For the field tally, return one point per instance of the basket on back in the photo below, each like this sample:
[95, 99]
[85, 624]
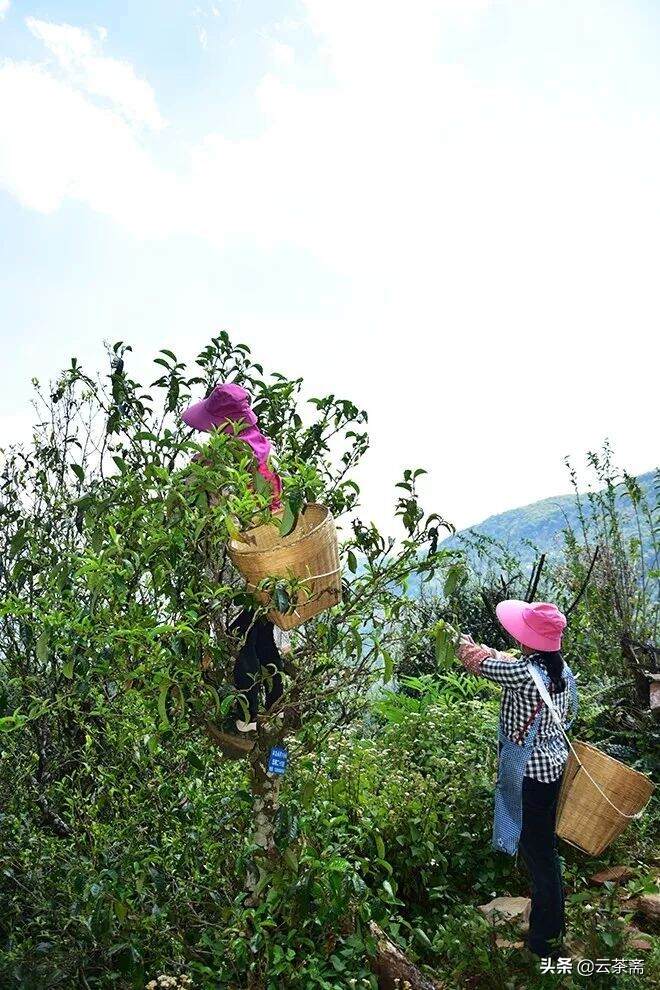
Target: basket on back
[309, 554]
[584, 817]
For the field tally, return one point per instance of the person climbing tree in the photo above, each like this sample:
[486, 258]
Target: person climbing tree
[258, 651]
[259, 661]
[532, 753]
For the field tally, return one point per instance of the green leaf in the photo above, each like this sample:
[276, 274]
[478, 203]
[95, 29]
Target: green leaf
[227, 704]
[288, 520]
[18, 570]
[291, 860]
[387, 887]
[162, 705]
[11, 722]
[18, 541]
[380, 846]
[214, 694]
[42, 645]
[454, 575]
[263, 487]
[352, 561]
[194, 761]
[232, 528]
[121, 910]
[67, 669]
[388, 667]
[582, 895]
[440, 645]
[307, 793]
[281, 599]
[78, 471]
[423, 938]
[445, 647]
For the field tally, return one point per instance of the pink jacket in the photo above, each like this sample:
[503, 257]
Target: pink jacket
[229, 404]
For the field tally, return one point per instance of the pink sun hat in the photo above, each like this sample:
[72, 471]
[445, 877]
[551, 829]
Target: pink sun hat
[538, 625]
[228, 402]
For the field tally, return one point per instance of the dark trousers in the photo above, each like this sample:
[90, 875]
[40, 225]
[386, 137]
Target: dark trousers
[257, 651]
[538, 848]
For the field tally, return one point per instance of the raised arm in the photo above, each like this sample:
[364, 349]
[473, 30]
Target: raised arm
[496, 666]
[506, 670]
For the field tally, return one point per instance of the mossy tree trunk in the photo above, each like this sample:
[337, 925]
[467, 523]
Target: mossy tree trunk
[265, 788]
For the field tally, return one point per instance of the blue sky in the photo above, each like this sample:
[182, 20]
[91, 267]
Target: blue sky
[446, 210]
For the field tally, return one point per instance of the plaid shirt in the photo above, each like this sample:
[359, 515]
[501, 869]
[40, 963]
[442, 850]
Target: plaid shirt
[521, 702]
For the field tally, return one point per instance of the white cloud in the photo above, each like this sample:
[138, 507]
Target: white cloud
[58, 144]
[405, 170]
[203, 36]
[281, 54]
[79, 56]
[4, 7]
[494, 239]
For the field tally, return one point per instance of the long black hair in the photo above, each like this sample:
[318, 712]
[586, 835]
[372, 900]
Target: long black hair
[554, 666]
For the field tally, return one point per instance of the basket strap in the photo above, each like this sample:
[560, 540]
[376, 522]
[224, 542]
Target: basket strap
[312, 577]
[523, 732]
[545, 694]
[316, 577]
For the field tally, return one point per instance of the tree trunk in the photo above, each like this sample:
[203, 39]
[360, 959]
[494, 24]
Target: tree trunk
[636, 657]
[265, 788]
[654, 694]
[393, 970]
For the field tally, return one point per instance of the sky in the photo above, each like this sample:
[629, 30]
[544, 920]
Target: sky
[445, 210]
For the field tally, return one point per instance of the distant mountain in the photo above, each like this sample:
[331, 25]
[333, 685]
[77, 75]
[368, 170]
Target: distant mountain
[541, 524]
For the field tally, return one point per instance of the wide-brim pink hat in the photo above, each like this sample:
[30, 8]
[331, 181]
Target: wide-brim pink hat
[226, 403]
[538, 625]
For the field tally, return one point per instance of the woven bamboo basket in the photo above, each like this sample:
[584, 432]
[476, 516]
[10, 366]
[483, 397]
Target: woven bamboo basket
[309, 553]
[584, 818]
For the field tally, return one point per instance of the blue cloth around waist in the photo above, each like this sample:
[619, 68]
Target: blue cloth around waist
[513, 759]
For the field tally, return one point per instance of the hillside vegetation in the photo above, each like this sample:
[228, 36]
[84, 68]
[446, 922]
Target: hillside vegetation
[132, 847]
[539, 527]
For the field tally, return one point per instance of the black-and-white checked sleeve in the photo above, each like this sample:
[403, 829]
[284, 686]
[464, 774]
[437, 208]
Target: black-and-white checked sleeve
[509, 673]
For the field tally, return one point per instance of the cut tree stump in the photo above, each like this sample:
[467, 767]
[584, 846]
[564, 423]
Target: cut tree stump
[654, 694]
[506, 943]
[646, 904]
[506, 910]
[613, 874]
[639, 940]
[393, 970]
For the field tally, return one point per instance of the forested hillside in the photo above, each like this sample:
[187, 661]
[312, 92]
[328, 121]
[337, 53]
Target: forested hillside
[539, 527]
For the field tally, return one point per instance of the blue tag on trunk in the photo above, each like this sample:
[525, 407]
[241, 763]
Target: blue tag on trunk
[278, 759]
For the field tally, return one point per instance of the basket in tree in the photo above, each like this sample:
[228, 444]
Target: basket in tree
[309, 554]
[599, 797]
